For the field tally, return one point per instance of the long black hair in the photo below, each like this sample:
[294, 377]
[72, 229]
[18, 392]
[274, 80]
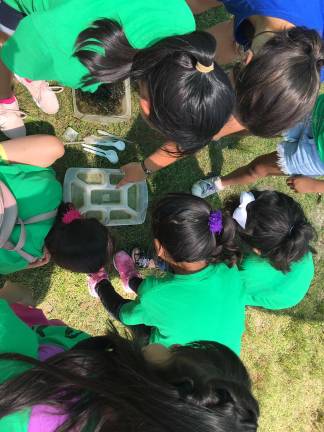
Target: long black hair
[180, 222]
[106, 384]
[279, 87]
[186, 106]
[83, 246]
[277, 226]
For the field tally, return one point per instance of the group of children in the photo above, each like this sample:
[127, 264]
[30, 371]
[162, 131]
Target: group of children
[181, 370]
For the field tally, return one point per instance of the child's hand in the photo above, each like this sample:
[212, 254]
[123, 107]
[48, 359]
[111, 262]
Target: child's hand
[41, 261]
[133, 172]
[303, 184]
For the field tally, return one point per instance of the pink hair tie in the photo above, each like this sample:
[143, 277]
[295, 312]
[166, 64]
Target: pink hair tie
[71, 215]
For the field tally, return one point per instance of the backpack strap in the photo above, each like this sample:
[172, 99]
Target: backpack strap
[40, 218]
[22, 238]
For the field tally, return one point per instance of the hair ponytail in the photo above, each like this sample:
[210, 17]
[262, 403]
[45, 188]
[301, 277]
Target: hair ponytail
[113, 59]
[276, 226]
[181, 223]
[186, 105]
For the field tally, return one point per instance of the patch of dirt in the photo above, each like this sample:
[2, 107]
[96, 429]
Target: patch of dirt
[107, 100]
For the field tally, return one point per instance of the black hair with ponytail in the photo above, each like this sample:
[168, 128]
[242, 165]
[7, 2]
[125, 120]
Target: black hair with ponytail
[276, 226]
[186, 105]
[82, 246]
[180, 222]
[107, 384]
[279, 87]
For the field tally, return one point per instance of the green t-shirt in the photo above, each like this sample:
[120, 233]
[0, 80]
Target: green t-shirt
[36, 191]
[16, 337]
[207, 305]
[43, 44]
[271, 288]
[318, 125]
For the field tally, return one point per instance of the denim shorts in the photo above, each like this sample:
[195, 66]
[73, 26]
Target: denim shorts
[298, 154]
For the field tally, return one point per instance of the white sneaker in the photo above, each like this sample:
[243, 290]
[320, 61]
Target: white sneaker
[11, 120]
[206, 187]
[43, 94]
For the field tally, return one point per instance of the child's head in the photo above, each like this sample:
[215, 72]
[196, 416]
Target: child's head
[279, 87]
[77, 244]
[185, 95]
[187, 230]
[115, 386]
[274, 226]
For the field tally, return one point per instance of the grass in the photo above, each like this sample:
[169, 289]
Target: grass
[283, 350]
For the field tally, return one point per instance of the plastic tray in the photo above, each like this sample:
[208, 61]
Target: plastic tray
[103, 119]
[93, 191]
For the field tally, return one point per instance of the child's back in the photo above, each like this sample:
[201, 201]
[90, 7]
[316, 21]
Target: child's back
[206, 305]
[278, 268]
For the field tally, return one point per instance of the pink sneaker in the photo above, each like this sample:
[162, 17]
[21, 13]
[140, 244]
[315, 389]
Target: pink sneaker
[11, 120]
[43, 94]
[94, 279]
[125, 266]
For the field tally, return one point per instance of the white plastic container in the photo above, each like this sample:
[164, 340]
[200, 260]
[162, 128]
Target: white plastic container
[93, 191]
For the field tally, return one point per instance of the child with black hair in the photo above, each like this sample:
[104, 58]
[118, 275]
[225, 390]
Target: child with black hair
[56, 378]
[300, 156]
[278, 266]
[203, 297]
[184, 94]
[74, 243]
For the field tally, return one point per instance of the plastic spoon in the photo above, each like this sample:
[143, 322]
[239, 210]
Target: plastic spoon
[111, 155]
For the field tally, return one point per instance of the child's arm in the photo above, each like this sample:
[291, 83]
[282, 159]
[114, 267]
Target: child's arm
[163, 156]
[109, 298]
[303, 184]
[38, 150]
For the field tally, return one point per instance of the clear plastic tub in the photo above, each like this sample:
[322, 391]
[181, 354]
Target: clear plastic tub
[93, 191]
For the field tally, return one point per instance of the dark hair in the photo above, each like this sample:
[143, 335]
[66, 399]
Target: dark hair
[84, 245]
[277, 226]
[187, 106]
[107, 383]
[181, 223]
[279, 87]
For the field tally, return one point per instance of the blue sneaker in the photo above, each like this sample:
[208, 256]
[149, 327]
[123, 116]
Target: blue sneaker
[205, 187]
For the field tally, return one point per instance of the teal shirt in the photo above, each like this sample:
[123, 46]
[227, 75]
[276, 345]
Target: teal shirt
[207, 305]
[42, 47]
[17, 337]
[271, 288]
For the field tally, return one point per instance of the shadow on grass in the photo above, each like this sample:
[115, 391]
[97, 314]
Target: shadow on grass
[38, 279]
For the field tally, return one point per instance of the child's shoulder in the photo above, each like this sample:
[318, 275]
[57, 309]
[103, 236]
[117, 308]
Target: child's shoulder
[255, 263]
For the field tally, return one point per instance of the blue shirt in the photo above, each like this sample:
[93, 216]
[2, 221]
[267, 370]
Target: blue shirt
[302, 13]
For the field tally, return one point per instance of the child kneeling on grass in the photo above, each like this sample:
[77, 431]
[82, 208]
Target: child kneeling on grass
[206, 295]
[27, 179]
[275, 235]
[300, 155]
[56, 378]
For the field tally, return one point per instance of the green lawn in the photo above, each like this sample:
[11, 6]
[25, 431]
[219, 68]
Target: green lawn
[283, 350]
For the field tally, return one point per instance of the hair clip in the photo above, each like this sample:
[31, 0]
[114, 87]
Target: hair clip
[240, 213]
[71, 215]
[215, 222]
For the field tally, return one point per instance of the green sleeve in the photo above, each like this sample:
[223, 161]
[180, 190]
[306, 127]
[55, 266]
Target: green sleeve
[283, 290]
[15, 337]
[25, 52]
[137, 311]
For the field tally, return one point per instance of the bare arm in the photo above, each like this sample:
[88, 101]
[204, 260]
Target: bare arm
[162, 158]
[38, 150]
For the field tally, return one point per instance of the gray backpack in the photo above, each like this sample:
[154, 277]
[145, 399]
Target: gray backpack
[9, 219]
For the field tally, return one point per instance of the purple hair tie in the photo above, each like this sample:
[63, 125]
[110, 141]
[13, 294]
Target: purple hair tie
[215, 222]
